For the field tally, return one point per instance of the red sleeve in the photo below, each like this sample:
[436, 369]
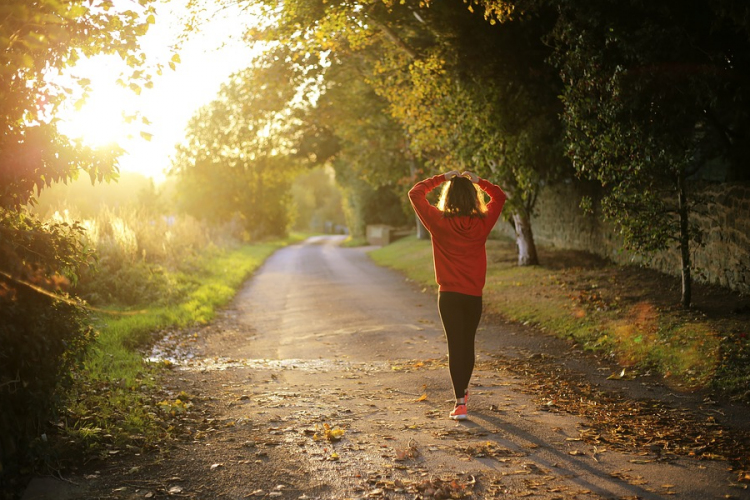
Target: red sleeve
[497, 200]
[418, 197]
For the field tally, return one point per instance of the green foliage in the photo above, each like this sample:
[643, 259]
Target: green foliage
[371, 159]
[371, 144]
[42, 330]
[645, 110]
[39, 252]
[39, 39]
[134, 253]
[237, 157]
[365, 204]
[138, 252]
[114, 400]
[452, 91]
[42, 340]
[317, 201]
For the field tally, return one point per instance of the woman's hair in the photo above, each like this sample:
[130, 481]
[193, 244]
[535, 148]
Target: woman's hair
[460, 196]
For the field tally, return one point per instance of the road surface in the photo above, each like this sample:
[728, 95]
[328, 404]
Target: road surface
[327, 378]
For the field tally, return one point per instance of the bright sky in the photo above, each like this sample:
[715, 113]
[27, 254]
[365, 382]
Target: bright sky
[207, 59]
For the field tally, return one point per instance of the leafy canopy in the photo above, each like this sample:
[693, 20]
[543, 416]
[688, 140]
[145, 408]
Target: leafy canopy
[41, 41]
[238, 155]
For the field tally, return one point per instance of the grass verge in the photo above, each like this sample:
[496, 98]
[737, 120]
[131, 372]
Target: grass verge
[351, 242]
[629, 314]
[116, 402]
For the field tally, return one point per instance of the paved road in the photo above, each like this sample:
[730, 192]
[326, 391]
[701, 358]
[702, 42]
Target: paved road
[318, 300]
[326, 378]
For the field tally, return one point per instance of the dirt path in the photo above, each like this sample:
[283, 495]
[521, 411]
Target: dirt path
[327, 378]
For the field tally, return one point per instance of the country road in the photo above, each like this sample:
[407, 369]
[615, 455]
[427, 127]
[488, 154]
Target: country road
[327, 378]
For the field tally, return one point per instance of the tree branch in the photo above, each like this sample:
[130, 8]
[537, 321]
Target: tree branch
[10, 382]
[393, 37]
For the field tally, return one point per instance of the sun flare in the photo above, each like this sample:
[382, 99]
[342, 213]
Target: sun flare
[162, 110]
[100, 121]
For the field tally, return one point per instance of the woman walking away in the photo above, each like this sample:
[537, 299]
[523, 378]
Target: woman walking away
[459, 226]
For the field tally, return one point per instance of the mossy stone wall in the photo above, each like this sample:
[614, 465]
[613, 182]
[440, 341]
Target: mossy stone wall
[724, 259]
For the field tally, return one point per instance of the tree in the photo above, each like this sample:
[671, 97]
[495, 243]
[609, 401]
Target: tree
[654, 94]
[372, 162]
[481, 96]
[237, 159]
[40, 40]
[42, 332]
[317, 201]
[452, 83]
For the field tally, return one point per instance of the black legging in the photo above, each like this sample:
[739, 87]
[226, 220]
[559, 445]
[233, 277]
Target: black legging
[460, 315]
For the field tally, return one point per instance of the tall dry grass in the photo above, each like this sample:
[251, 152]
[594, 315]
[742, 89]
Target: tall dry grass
[139, 257]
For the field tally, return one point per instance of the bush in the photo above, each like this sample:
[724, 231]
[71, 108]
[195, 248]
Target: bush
[42, 340]
[139, 254]
[43, 334]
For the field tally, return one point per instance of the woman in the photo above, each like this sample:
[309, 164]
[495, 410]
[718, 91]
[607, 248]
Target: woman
[459, 226]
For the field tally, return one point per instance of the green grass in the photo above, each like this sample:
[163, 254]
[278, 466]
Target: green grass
[411, 256]
[351, 242]
[585, 305]
[114, 401]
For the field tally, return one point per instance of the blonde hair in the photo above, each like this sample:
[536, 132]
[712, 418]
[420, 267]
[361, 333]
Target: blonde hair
[460, 197]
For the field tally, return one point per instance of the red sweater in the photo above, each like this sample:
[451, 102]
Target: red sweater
[458, 242]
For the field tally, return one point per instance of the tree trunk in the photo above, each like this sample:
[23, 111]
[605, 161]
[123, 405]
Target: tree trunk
[684, 242]
[525, 240]
[422, 232]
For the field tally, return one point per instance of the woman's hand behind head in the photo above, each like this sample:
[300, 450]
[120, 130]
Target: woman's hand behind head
[471, 176]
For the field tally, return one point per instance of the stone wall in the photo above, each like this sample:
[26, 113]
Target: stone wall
[725, 257]
[723, 260]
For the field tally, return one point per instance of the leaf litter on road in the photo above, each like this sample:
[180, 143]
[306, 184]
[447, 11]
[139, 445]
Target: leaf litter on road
[652, 427]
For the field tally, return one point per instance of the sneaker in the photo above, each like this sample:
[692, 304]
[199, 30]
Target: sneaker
[466, 396]
[459, 413]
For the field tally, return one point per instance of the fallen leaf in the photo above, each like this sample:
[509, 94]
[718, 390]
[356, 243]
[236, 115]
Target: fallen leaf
[329, 433]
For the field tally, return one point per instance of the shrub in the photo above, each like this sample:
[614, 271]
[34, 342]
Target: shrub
[43, 334]
[138, 252]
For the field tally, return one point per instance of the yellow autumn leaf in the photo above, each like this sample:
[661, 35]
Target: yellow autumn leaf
[335, 434]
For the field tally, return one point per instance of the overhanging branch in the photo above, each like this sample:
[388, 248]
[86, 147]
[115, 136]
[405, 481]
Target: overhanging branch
[393, 37]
